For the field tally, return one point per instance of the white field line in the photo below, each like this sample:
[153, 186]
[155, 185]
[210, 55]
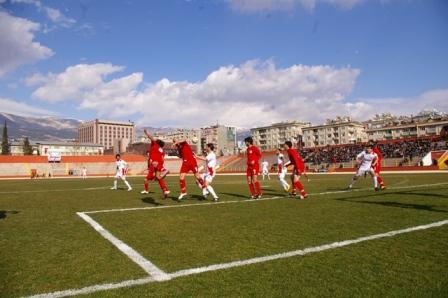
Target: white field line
[225, 174]
[95, 288]
[186, 272]
[53, 190]
[250, 200]
[132, 254]
[302, 252]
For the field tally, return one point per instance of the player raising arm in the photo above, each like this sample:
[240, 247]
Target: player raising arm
[122, 169]
[156, 170]
[189, 163]
[253, 168]
[299, 167]
[366, 161]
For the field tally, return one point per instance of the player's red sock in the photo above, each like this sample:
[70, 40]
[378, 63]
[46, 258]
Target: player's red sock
[252, 188]
[146, 185]
[299, 185]
[183, 186]
[162, 184]
[258, 187]
[380, 180]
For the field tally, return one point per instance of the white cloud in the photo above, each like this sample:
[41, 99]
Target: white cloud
[55, 15]
[73, 83]
[22, 109]
[17, 45]
[36, 3]
[253, 93]
[254, 6]
[432, 99]
[59, 18]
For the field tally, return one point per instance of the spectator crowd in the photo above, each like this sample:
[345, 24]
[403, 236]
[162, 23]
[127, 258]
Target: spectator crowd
[405, 149]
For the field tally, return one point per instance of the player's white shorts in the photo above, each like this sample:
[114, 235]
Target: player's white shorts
[265, 171]
[363, 171]
[207, 177]
[282, 174]
[120, 175]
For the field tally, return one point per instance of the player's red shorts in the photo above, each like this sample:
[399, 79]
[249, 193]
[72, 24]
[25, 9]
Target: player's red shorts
[253, 170]
[158, 165]
[189, 165]
[296, 171]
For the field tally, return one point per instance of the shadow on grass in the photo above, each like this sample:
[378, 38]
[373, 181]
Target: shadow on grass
[5, 213]
[236, 195]
[151, 201]
[425, 207]
[189, 198]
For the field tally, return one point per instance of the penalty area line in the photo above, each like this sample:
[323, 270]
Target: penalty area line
[155, 272]
[258, 200]
[222, 266]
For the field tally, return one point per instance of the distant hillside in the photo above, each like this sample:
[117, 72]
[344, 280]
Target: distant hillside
[59, 129]
[49, 128]
[40, 128]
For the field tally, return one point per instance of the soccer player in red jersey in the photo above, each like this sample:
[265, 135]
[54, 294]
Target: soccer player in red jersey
[377, 167]
[253, 168]
[189, 163]
[299, 168]
[156, 170]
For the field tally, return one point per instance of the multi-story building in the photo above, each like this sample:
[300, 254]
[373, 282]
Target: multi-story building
[389, 127]
[192, 136]
[110, 134]
[223, 137]
[270, 137]
[47, 148]
[342, 130]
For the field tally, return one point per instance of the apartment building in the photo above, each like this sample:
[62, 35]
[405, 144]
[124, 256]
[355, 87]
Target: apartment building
[110, 134]
[341, 130]
[269, 138]
[388, 127]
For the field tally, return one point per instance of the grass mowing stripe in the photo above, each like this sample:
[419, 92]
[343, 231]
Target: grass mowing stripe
[248, 201]
[54, 190]
[95, 288]
[301, 252]
[155, 272]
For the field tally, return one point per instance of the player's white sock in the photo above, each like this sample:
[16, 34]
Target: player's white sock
[375, 181]
[115, 184]
[352, 183]
[212, 191]
[127, 184]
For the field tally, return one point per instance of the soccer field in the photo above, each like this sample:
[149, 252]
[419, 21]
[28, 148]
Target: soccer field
[71, 237]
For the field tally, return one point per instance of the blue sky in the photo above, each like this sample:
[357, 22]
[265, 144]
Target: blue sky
[239, 62]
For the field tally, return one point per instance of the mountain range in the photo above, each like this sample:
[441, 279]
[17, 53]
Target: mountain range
[60, 129]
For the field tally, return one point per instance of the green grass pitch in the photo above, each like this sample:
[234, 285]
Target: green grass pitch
[46, 247]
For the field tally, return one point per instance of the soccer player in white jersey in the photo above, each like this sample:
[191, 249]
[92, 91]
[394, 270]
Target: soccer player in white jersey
[122, 168]
[210, 172]
[265, 169]
[366, 161]
[84, 173]
[282, 170]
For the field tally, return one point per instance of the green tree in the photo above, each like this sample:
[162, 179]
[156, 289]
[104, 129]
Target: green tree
[5, 143]
[27, 148]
